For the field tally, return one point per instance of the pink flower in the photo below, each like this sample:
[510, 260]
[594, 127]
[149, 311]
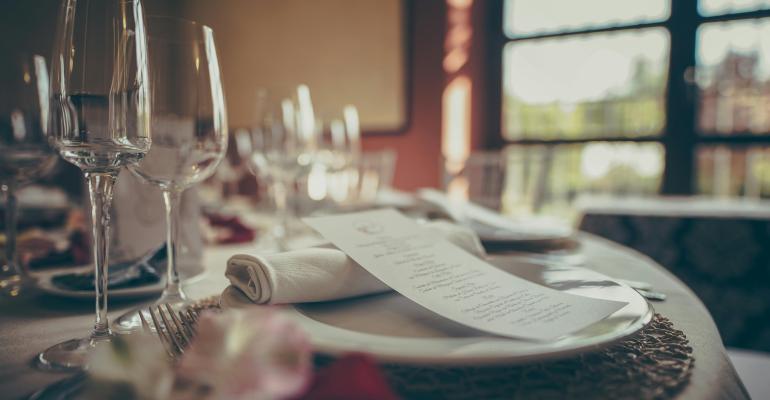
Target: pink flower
[137, 360]
[253, 353]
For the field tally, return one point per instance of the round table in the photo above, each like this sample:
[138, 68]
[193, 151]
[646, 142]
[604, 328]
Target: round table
[27, 327]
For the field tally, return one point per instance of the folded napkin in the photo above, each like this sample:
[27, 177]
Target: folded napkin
[318, 273]
[493, 227]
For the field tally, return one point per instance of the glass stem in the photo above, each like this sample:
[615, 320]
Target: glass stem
[281, 194]
[100, 190]
[173, 291]
[11, 266]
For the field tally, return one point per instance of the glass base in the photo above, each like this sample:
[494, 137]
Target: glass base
[70, 355]
[131, 322]
[293, 235]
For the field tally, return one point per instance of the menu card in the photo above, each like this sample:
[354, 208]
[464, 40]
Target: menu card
[453, 283]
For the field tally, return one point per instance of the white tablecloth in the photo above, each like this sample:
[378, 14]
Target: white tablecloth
[29, 327]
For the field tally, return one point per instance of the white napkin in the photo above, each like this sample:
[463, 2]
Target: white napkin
[492, 226]
[319, 273]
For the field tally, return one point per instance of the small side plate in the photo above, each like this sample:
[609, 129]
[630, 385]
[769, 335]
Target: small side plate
[45, 284]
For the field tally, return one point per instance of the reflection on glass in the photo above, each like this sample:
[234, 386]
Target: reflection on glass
[734, 77]
[731, 172]
[595, 85]
[547, 179]
[540, 16]
[717, 7]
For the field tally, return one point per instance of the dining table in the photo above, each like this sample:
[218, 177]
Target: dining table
[31, 324]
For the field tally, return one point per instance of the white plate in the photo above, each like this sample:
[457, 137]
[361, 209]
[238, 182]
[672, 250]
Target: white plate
[44, 283]
[393, 329]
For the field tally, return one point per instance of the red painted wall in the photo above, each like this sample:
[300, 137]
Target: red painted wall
[419, 147]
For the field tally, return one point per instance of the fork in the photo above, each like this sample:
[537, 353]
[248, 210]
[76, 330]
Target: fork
[175, 330]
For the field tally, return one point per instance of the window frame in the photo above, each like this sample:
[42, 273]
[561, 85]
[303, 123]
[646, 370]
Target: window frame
[679, 137]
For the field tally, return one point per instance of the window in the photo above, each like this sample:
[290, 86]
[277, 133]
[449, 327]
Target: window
[733, 78]
[718, 7]
[585, 86]
[634, 97]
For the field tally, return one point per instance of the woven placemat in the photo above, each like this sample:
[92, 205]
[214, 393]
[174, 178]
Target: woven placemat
[656, 363]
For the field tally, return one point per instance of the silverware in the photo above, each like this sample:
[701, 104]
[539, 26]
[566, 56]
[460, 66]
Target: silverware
[570, 260]
[650, 295]
[578, 260]
[638, 285]
[643, 288]
[175, 330]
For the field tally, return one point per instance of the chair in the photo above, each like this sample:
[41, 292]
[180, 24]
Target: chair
[513, 181]
[719, 248]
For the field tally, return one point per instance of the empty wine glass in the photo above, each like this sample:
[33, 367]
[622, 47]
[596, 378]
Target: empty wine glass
[24, 150]
[100, 121]
[189, 129]
[283, 147]
[338, 155]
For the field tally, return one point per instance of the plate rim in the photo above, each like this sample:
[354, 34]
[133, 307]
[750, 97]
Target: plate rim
[43, 281]
[327, 345]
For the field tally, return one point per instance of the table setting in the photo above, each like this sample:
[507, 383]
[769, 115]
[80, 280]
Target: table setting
[414, 353]
[343, 288]
[365, 317]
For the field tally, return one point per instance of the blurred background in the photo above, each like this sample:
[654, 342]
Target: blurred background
[609, 97]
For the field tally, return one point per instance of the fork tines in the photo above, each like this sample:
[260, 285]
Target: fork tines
[174, 330]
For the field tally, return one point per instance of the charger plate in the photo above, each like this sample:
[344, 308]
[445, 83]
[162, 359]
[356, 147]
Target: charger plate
[44, 283]
[393, 329]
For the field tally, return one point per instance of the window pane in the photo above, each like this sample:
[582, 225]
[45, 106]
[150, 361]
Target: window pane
[524, 17]
[730, 172]
[585, 86]
[717, 7]
[547, 179]
[734, 77]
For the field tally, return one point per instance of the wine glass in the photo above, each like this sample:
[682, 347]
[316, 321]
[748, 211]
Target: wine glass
[284, 144]
[24, 150]
[189, 129]
[338, 157]
[100, 121]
